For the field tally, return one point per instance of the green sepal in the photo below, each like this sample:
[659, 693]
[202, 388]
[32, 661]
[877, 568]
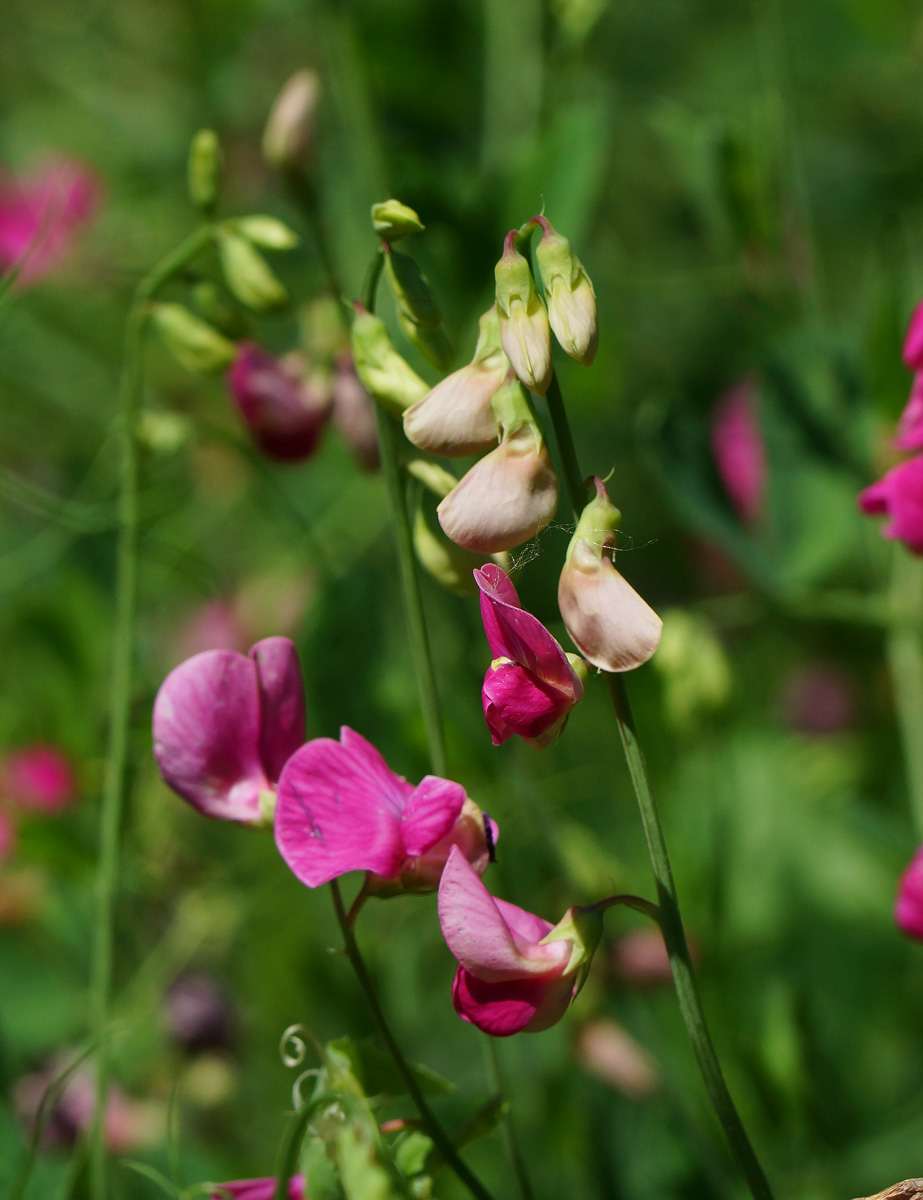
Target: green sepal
[247, 273]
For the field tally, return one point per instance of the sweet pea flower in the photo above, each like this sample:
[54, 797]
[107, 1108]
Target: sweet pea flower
[38, 778]
[258, 1189]
[908, 907]
[611, 626]
[225, 724]
[517, 973]
[910, 426]
[524, 329]
[284, 413]
[739, 453]
[341, 808]
[41, 213]
[569, 293]
[899, 496]
[531, 685]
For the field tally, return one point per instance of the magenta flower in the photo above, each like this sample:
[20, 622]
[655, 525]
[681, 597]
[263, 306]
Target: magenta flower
[284, 413]
[899, 496]
[908, 907]
[516, 972]
[40, 214]
[258, 1189]
[910, 426]
[530, 687]
[341, 808]
[225, 724]
[38, 778]
[737, 446]
[913, 341]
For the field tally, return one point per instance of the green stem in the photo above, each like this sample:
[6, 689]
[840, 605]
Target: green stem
[440, 1138]
[121, 684]
[905, 663]
[573, 480]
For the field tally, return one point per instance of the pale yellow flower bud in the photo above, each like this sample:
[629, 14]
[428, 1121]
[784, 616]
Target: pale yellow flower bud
[524, 327]
[569, 295]
[289, 135]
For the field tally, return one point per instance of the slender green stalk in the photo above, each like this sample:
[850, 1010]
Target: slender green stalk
[668, 905]
[440, 1138]
[121, 684]
[905, 663]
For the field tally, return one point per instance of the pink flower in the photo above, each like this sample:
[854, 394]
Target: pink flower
[341, 808]
[530, 687]
[910, 426]
[913, 342]
[225, 724]
[258, 1189]
[737, 445]
[284, 413]
[41, 213]
[899, 496]
[516, 972]
[908, 907]
[38, 778]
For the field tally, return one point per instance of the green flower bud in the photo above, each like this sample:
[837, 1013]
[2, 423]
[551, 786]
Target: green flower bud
[388, 379]
[204, 169]
[289, 135]
[524, 329]
[392, 220]
[193, 343]
[569, 295]
[268, 232]
[248, 275]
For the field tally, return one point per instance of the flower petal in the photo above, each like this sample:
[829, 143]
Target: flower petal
[522, 701]
[206, 734]
[500, 1009]
[611, 626]
[515, 634]
[431, 812]
[282, 709]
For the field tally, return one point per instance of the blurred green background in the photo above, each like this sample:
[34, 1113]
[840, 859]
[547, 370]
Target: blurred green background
[744, 183]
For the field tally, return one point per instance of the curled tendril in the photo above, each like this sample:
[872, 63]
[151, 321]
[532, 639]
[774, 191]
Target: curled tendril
[293, 1045]
[297, 1098]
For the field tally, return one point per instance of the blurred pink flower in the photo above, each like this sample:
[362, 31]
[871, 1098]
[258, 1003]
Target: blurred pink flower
[641, 958]
[225, 724]
[910, 426]
[38, 778]
[737, 446]
[913, 340]
[41, 213]
[899, 496]
[211, 626]
[354, 413]
[258, 1189]
[284, 412]
[513, 976]
[530, 687]
[341, 808]
[818, 698]
[908, 907]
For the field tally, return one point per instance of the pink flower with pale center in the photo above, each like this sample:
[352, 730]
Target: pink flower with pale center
[908, 907]
[341, 808]
[41, 213]
[737, 446]
[899, 496]
[226, 723]
[530, 687]
[284, 413]
[512, 976]
[258, 1189]
[38, 778]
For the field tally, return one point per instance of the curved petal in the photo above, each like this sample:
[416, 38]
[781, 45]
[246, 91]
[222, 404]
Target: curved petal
[611, 626]
[431, 812]
[500, 1009]
[206, 734]
[522, 701]
[338, 810]
[282, 709]
[480, 937]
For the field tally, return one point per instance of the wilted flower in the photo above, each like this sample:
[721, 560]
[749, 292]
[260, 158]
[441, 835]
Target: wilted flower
[225, 725]
[288, 138]
[908, 907]
[341, 808]
[354, 413]
[516, 972]
[41, 213]
[611, 626]
[284, 413]
[899, 496]
[910, 426]
[39, 778]
[740, 456]
[524, 327]
[531, 686]
[569, 294]
[512, 493]
[456, 418]
[258, 1189]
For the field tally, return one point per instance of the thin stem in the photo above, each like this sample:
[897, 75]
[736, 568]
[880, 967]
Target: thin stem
[905, 663]
[121, 684]
[511, 1143]
[638, 903]
[434, 1130]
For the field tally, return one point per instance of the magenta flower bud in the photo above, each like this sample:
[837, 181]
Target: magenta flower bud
[899, 496]
[516, 972]
[530, 687]
[341, 808]
[41, 214]
[910, 426]
[913, 342]
[354, 413]
[38, 778]
[258, 1189]
[224, 726]
[524, 328]
[908, 907]
[740, 456]
[611, 626]
[284, 414]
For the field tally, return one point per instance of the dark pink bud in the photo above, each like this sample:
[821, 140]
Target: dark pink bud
[908, 907]
[284, 413]
[41, 213]
[899, 496]
[258, 1189]
[38, 778]
[910, 426]
[913, 342]
[737, 445]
